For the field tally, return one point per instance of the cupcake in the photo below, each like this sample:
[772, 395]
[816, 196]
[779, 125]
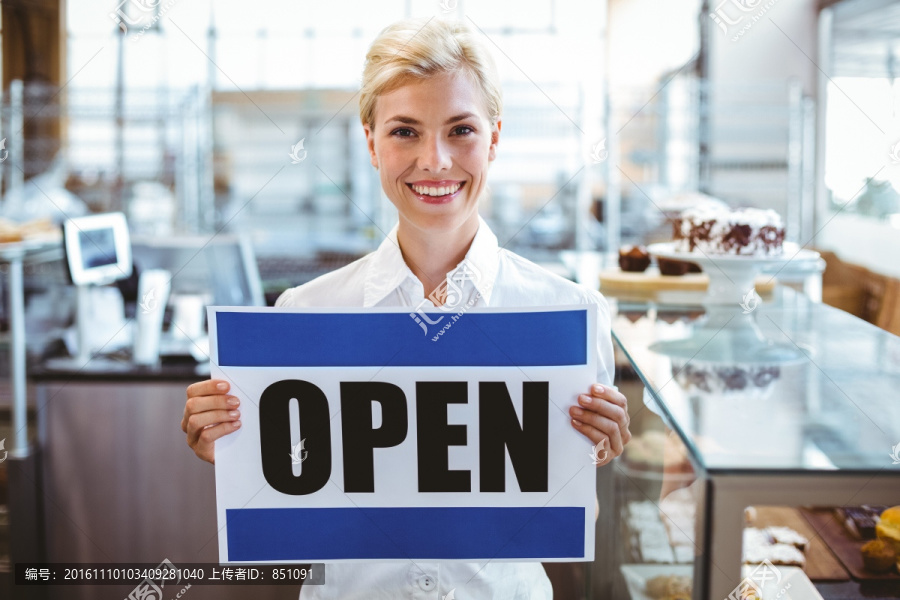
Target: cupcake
[634, 259]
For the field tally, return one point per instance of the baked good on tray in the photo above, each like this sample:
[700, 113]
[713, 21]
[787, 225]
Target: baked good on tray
[712, 230]
[670, 266]
[861, 520]
[786, 535]
[888, 530]
[760, 545]
[888, 527]
[878, 556]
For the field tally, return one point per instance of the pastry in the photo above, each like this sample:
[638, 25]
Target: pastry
[861, 520]
[759, 546]
[670, 266]
[878, 556]
[888, 527]
[712, 230]
[634, 259]
[786, 535]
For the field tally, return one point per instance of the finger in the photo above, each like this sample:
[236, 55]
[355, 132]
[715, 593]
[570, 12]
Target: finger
[201, 404]
[610, 393]
[210, 387]
[612, 411]
[205, 449]
[200, 422]
[606, 408]
[596, 427]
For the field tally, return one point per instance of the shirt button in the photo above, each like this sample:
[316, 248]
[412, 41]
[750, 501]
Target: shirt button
[426, 582]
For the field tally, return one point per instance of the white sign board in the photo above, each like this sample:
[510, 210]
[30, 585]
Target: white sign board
[364, 440]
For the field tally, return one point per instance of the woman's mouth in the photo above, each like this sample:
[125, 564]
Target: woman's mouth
[436, 195]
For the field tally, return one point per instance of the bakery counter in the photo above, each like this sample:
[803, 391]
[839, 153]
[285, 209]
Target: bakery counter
[751, 425]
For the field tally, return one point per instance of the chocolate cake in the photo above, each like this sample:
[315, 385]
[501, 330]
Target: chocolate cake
[713, 230]
[725, 379]
[671, 266]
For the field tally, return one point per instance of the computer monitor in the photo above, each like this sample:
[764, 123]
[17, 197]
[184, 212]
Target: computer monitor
[98, 248]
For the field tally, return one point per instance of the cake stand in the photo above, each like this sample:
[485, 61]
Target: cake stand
[731, 277]
[729, 333]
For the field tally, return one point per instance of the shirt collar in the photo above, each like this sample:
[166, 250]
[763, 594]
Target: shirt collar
[387, 270]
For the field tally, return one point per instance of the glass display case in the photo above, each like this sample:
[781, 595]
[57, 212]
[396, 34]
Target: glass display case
[773, 414]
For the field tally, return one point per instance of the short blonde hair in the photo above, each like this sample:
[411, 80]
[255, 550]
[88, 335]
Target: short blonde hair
[422, 47]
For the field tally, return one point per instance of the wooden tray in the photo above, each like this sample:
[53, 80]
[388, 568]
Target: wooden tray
[821, 564]
[651, 280]
[843, 544]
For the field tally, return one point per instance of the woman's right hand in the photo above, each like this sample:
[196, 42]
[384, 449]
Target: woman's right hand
[209, 413]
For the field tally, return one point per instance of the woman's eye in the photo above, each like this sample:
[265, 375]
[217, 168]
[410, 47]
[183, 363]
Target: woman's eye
[406, 132]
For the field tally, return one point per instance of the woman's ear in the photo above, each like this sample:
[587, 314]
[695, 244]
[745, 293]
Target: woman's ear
[495, 139]
[370, 141]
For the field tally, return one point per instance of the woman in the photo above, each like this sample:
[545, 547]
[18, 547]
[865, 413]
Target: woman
[430, 105]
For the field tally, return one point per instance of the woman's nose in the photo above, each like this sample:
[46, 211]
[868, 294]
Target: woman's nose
[435, 155]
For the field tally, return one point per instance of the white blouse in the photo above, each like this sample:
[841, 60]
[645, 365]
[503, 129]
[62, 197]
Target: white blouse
[488, 276]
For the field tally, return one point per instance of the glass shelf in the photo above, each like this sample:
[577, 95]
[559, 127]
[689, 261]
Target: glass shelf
[786, 407]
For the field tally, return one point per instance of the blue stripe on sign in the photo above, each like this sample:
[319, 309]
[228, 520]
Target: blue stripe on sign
[262, 534]
[277, 339]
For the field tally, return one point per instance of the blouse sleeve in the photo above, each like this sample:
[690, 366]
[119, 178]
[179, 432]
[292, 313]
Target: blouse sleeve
[285, 298]
[606, 367]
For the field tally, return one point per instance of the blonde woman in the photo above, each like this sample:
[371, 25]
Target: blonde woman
[430, 105]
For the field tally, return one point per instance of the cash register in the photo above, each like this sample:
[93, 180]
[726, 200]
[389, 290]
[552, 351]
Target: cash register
[99, 253]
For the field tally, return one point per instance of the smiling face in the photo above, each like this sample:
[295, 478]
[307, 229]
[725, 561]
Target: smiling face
[432, 144]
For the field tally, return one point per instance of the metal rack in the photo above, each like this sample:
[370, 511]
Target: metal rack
[759, 150]
[105, 141]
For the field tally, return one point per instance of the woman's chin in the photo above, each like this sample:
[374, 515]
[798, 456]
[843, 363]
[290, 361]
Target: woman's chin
[438, 222]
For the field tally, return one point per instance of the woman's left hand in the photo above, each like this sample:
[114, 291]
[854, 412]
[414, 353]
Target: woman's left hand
[602, 416]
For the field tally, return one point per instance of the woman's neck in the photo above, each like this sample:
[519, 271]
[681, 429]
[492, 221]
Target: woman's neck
[431, 255]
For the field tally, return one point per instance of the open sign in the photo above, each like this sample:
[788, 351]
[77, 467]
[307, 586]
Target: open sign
[362, 440]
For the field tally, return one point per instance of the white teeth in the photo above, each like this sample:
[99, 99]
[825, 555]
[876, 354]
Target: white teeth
[440, 191]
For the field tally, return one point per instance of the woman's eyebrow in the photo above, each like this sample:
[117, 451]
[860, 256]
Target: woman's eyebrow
[411, 121]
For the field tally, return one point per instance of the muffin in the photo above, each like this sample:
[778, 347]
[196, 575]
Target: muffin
[878, 556]
[634, 259]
